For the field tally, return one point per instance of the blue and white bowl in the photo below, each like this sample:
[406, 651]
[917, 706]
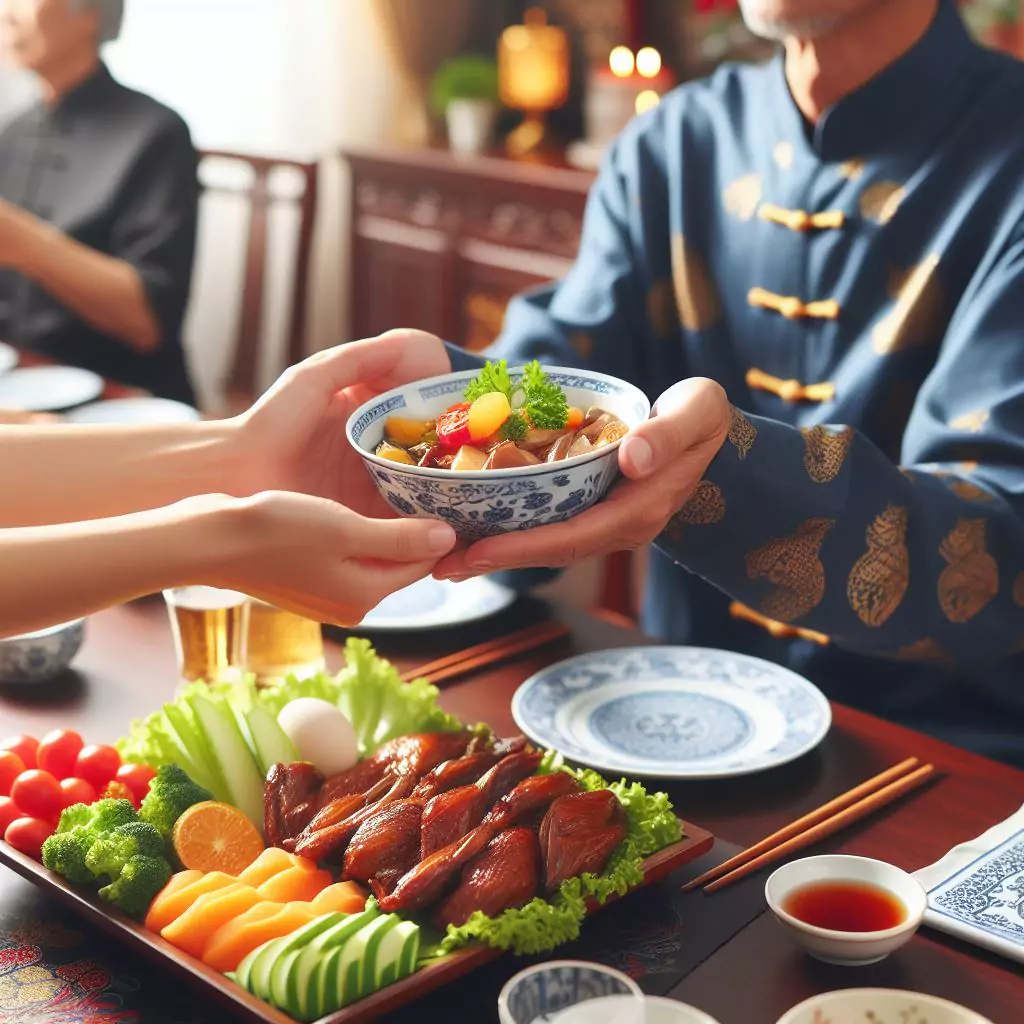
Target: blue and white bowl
[488, 502]
[41, 656]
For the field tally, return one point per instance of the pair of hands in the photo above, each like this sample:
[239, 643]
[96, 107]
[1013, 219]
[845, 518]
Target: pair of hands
[330, 546]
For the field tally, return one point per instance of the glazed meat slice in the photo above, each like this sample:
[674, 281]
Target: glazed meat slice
[427, 881]
[459, 771]
[386, 845]
[289, 800]
[320, 840]
[530, 795]
[415, 755]
[579, 833]
[451, 815]
[505, 874]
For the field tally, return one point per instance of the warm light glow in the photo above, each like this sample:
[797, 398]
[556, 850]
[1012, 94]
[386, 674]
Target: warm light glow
[620, 60]
[647, 100]
[648, 62]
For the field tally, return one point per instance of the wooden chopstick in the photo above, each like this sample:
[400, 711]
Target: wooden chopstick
[877, 800]
[490, 653]
[810, 819]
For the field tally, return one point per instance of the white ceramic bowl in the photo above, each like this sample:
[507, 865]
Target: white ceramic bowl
[848, 949]
[41, 656]
[488, 502]
[667, 1011]
[880, 1006]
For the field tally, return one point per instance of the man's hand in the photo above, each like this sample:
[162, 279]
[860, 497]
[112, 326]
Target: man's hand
[294, 439]
[663, 460]
[19, 231]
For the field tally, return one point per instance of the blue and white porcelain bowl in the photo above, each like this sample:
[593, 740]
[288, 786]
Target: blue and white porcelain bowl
[41, 656]
[488, 502]
[571, 990]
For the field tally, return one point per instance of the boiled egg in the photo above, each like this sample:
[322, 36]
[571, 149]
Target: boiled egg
[321, 734]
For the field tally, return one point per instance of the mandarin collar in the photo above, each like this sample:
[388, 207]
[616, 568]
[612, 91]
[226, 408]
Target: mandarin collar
[79, 98]
[887, 106]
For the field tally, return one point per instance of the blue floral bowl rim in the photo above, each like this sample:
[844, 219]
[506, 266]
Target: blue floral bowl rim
[490, 474]
[48, 631]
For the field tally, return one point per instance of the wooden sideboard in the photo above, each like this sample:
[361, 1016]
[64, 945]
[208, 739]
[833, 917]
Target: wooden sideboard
[442, 243]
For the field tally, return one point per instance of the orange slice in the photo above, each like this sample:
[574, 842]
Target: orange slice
[212, 836]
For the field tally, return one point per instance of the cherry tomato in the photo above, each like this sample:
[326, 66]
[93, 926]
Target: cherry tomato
[11, 766]
[76, 791]
[137, 778]
[37, 794]
[8, 812]
[97, 764]
[28, 835]
[453, 427]
[24, 747]
[57, 752]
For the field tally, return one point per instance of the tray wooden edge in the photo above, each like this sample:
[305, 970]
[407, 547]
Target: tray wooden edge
[695, 843]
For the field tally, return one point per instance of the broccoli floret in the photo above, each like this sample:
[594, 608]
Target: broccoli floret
[110, 813]
[66, 853]
[170, 794]
[109, 853]
[140, 880]
[75, 816]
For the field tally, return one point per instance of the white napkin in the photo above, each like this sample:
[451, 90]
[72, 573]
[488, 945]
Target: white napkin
[976, 892]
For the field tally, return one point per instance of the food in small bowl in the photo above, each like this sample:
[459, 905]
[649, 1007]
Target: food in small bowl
[850, 911]
[497, 450]
[880, 1006]
[41, 656]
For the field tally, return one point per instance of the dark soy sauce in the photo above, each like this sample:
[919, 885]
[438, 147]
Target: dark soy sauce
[846, 906]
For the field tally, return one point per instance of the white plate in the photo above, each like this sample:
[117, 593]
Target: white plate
[672, 712]
[135, 410]
[48, 388]
[437, 604]
[8, 358]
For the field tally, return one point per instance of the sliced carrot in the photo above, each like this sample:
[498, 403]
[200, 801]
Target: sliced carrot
[178, 882]
[272, 861]
[236, 939]
[193, 929]
[169, 904]
[295, 885]
[340, 898]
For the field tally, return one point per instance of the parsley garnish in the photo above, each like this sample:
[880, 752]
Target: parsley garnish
[544, 405]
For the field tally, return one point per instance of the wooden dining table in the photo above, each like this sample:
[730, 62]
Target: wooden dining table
[126, 668]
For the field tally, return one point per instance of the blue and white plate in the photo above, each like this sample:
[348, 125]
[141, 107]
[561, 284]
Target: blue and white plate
[976, 892]
[438, 604]
[672, 712]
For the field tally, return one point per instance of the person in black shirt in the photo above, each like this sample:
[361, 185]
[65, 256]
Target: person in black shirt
[98, 204]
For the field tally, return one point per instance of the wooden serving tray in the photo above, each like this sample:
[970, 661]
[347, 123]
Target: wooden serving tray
[245, 1006]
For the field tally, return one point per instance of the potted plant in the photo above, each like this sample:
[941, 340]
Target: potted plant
[465, 93]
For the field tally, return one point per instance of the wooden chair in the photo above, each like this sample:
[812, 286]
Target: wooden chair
[242, 386]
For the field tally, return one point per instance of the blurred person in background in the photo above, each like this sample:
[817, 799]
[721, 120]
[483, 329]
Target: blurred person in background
[98, 205]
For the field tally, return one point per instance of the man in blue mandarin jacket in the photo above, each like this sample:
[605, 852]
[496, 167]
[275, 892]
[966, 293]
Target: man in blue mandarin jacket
[827, 254]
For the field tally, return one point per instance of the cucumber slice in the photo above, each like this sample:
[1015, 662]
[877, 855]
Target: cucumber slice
[372, 936]
[398, 953]
[302, 992]
[269, 740]
[192, 740]
[243, 778]
[262, 965]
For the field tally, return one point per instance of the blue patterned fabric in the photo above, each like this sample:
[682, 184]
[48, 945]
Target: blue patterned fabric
[857, 286]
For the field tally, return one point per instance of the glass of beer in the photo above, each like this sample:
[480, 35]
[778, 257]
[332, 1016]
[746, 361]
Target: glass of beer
[282, 644]
[210, 628]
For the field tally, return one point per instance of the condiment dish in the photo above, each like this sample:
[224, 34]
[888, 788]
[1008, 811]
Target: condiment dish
[40, 656]
[879, 1006]
[846, 948]
[486, 502]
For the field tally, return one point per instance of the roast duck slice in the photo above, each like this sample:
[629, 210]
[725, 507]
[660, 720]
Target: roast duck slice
[506, 873]
[449, 816]
[425, 883]
[579, 833]
[386, 845]
[290, 799]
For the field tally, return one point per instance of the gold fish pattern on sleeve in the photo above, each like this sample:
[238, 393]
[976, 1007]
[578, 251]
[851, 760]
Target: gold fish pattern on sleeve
[742, 434]
[925, 649]
[696, 296]
[825, 452]
[705, 506]
[879, 579]
[971, 579]
[793, 565]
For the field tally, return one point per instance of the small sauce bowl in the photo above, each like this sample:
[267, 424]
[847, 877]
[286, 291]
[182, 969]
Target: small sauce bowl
[846, 948]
